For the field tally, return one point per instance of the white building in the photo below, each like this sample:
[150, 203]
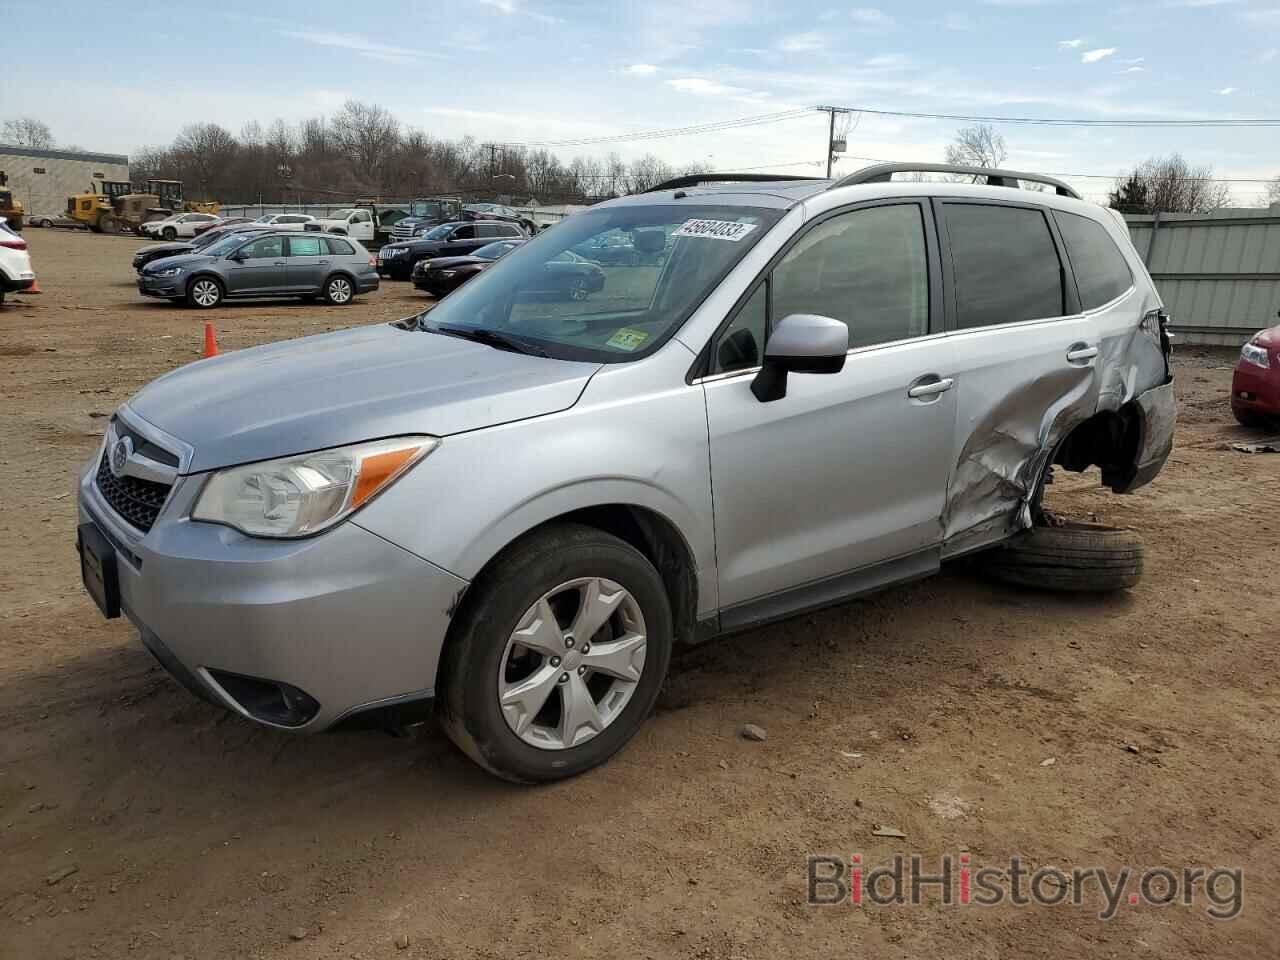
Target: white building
[43, 179]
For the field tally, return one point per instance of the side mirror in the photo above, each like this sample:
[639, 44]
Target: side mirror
[239, 256]
[800, 343]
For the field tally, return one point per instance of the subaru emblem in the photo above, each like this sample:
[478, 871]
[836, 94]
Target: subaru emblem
[120, 452]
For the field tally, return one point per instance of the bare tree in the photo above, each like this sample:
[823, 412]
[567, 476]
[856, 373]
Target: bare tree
[28, 132]
[367, 134]
[1273, 191]
[205, 150]
[1169, 185]
[977, 146]
[646, 173]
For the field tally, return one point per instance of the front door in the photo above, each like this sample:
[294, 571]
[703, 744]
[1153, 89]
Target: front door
[848, 470]
[308, 263]
[262, 267]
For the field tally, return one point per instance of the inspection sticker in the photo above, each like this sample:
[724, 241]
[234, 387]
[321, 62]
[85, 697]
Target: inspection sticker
[715, 229]
[627, 339]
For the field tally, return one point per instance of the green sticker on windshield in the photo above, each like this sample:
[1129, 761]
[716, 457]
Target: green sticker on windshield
[627, 339]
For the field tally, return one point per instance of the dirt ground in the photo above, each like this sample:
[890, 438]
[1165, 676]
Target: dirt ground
[930, 708]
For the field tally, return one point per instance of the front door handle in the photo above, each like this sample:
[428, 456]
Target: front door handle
[1081, 352]
[278, 263]
[931, 389]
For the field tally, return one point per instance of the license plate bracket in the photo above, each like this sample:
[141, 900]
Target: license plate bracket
[98, 569]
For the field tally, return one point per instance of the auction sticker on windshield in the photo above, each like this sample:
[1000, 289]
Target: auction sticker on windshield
[627, 339]
[714, 229]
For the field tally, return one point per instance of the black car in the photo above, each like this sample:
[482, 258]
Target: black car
[497, 211]
[176, 248]
[445, 274]
[566, 276]
[397, 260]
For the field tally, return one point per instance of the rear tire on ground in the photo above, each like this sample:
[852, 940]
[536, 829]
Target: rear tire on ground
[169, 233]
[204, 293]
[339, 290]
[489, 681]
[1075, 557]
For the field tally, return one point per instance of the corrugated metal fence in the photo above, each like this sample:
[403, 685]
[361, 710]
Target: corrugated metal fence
[1219, 273]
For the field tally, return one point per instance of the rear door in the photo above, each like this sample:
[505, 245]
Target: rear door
[262, 269]
[1025, 361]
[308, 262]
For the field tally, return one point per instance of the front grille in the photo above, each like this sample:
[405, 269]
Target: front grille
[137, 501]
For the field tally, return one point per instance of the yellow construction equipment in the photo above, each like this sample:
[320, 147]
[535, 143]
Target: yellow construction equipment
[10, 208]
[117, 208]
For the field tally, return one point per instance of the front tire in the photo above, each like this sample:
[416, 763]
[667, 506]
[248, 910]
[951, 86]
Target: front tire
[558, 655]
[338, 291]
[204, 293]
[1249, 418]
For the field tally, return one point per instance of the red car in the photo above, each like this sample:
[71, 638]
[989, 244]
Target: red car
[1255, 388]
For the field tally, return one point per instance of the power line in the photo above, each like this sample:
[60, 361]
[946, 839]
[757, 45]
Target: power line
[1095, 176]
[1057, 122]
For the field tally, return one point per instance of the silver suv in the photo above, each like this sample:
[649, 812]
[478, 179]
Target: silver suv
[516, 503]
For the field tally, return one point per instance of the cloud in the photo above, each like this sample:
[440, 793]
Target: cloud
[872, 18]
[802, 42]
[509, 7]
[641, 69]
[1266, 56]
[1199, 4]
[1226, 91]
[704, 87]
[1133, 70]
[1093, 56]
[1075, 44]
[1133, 61]
[365, 47]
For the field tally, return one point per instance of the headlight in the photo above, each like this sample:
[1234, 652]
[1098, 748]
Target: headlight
[1252, 353]
[302, 495]
[171, 272]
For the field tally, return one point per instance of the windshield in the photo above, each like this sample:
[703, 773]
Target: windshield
[265, 218]
[225, 244]
[341, 214]
[492, 251]
[424, 208]
[438, 233]
[609, 285]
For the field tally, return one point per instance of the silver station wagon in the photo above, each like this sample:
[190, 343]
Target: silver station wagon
[788, 393]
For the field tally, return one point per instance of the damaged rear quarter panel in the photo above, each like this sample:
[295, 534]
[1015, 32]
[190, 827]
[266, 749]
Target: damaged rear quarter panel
[1019, 396]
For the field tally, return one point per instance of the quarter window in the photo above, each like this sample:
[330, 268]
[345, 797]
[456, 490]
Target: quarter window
[1100, 268]
[867, 268]
[741, 344]
[1006, 265]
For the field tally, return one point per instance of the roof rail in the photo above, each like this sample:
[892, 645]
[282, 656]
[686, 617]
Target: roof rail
[693, 179]
[883, 172]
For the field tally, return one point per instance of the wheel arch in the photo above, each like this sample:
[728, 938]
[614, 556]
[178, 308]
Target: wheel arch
[202, 274]
[646, 529]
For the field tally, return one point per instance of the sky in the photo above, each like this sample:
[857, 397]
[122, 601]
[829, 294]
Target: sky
[525, 71]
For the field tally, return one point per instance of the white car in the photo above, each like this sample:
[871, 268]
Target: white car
[178, 225]
[15, 263]
[284, 221]
[354, 222]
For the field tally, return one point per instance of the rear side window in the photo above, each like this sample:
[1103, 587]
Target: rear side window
[486, 230]
[1101, 271]
[305, 247]
[1006, 265]
[508, 230]
[339, 248]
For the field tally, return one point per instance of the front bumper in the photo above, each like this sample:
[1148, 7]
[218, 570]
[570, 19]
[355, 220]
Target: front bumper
[161, 286]
[1256, 389]
[347, 618]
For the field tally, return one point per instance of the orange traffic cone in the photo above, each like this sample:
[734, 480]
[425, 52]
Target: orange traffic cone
[34, 288]
[210, 341]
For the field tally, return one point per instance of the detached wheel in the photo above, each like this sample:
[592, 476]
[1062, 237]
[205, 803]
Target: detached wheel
[338, 291]
[1074, 557]
[204, 292]
[558, 655]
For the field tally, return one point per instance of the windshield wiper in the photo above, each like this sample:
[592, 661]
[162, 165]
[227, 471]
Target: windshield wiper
[491, 338]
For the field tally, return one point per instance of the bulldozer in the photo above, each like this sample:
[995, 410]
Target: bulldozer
[10, 208]
[117, 208]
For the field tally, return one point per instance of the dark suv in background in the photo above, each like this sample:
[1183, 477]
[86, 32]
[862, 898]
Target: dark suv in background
[396, 260]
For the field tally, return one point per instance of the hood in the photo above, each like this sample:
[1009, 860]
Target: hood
[177, 260]
[1269, 338]
[447, 263]
[175, 246]
[345, 387]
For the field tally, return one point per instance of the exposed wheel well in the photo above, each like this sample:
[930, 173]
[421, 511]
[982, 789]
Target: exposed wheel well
[1108, 440]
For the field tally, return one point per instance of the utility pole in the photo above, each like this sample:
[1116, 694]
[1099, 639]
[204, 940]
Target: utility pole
[493, 159]
[831, 136]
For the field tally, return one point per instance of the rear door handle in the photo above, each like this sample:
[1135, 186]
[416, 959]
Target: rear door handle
[278, 263]
[1080, 352]
[932, 388]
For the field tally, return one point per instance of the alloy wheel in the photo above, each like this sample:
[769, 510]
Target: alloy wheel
[205, 293]
[572, 663]
[339, 290]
